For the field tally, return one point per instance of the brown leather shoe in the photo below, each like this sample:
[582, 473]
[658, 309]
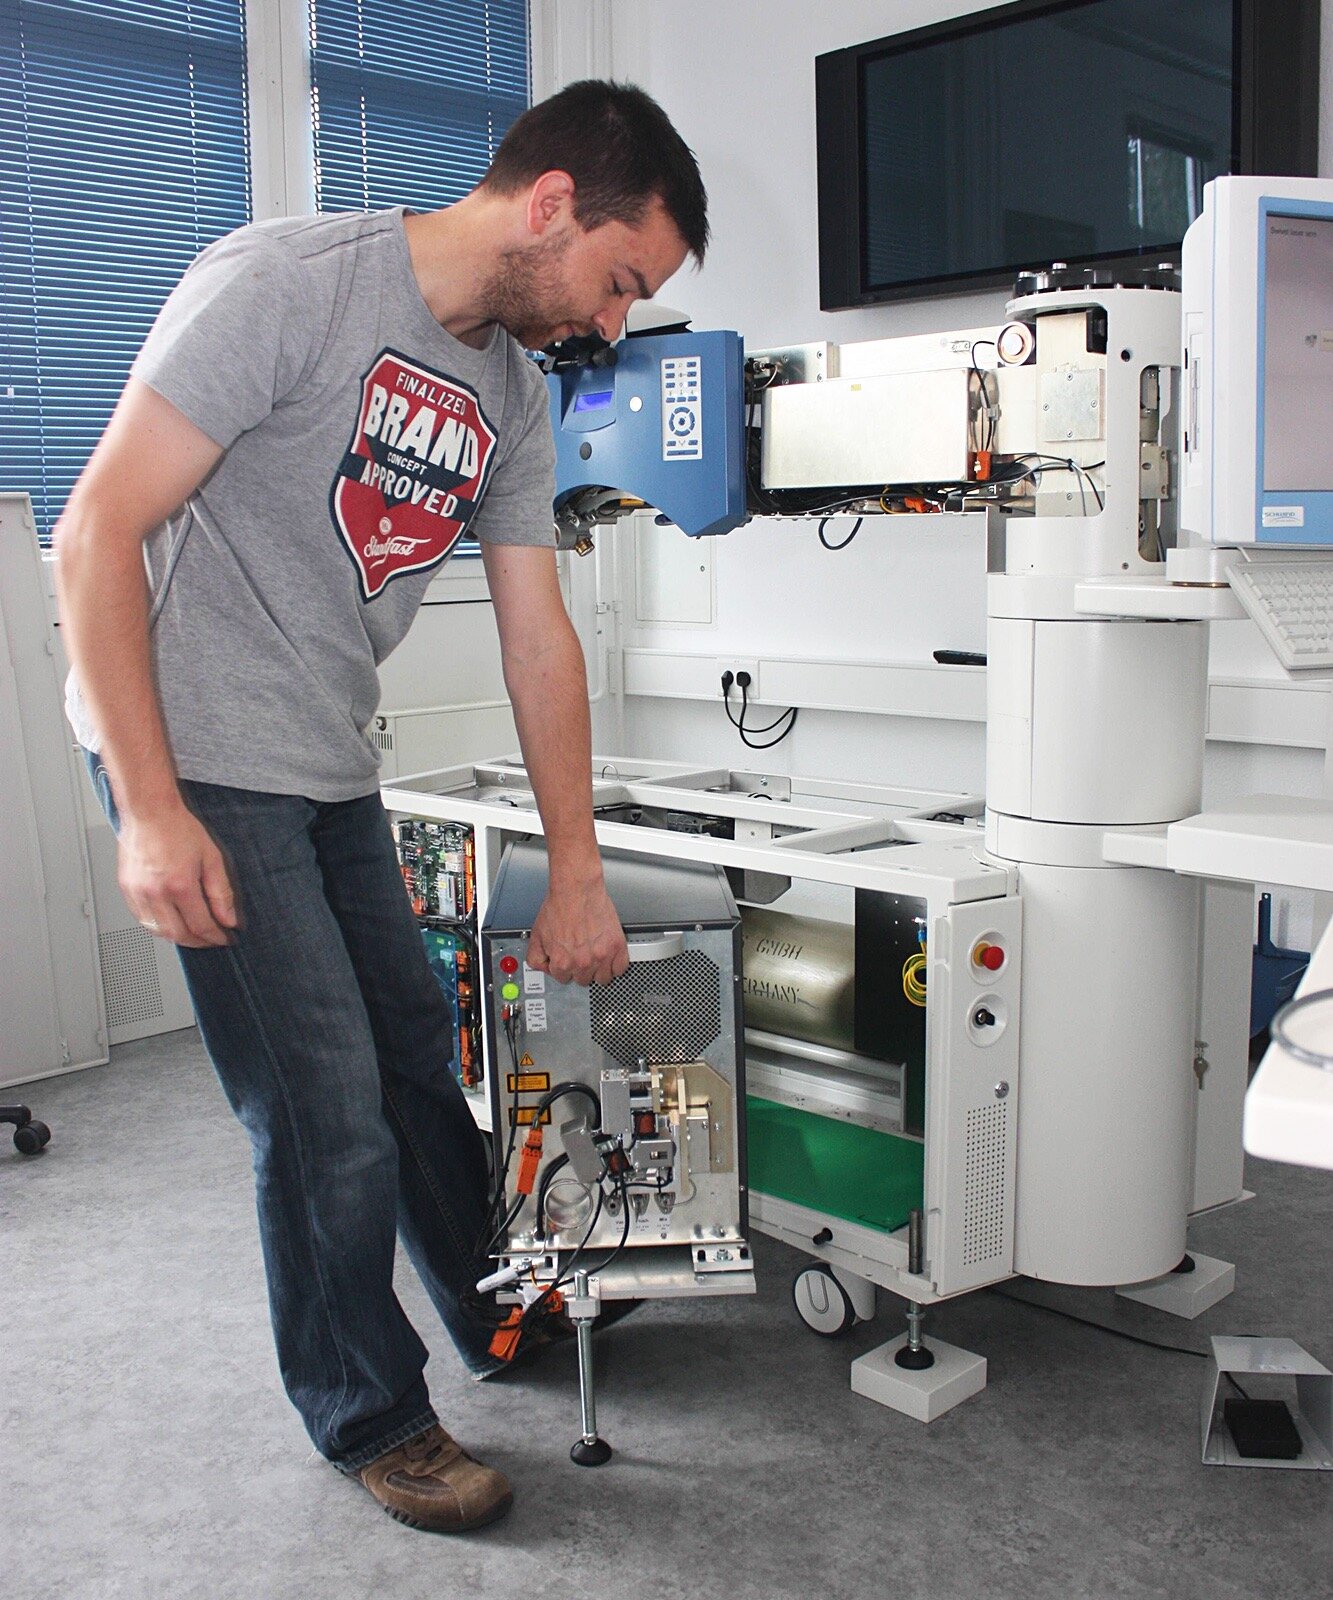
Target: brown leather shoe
[431, 1482]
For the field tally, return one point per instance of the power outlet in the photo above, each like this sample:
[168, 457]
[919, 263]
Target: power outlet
[736, 665]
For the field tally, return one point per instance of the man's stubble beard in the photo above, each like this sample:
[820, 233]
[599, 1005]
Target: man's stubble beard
[526, 291]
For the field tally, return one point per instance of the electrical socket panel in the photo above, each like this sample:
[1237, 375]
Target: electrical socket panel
[739, 664]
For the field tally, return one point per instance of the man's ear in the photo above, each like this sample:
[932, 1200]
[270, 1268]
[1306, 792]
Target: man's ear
[550, 202]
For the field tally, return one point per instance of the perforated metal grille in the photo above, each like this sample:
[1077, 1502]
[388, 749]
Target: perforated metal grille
[381, 738]
[983, 1184]
[129, 977]
[662, 1010]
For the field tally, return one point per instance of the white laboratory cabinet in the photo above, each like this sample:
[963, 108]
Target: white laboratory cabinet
[52, 1017]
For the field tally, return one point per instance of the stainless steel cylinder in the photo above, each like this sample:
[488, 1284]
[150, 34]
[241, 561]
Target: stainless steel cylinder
[799, 977]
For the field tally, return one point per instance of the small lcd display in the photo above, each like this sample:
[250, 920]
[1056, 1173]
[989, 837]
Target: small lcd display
[593, 399]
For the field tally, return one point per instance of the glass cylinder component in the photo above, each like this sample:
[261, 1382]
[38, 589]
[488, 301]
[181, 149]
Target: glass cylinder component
[568, 1205]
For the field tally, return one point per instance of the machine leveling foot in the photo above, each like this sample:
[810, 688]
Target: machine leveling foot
[588, 1450]
[914, 1356]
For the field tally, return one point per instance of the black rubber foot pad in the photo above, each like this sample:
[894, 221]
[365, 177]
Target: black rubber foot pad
[591, 1454]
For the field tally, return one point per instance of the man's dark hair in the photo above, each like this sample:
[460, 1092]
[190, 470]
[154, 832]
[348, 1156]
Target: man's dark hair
[621, 150]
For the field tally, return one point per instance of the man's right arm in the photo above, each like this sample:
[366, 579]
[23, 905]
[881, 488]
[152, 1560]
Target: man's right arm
[149, 460]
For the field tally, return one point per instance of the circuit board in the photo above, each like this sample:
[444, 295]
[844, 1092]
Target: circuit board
[451, 952]
[437, 860]
[438, 866]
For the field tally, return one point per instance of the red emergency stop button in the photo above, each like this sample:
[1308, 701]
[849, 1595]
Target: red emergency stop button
[989, 956]
[508, 963]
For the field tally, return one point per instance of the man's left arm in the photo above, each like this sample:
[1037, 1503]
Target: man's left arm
[577, 933]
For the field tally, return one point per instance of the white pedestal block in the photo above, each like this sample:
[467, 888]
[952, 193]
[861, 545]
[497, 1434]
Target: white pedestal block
[956, 1376]
[1186, 1294]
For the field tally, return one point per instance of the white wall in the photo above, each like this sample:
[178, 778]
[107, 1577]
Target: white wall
[737, 78]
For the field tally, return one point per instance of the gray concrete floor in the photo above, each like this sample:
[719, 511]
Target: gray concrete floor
[147, 1449]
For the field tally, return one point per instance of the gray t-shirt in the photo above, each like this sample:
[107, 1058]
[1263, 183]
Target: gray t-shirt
[362, 440]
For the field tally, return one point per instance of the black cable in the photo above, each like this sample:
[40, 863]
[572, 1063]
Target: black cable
[752, 732]
[506, 1222]
[1089, 1322]
[789, 717]
[1044, 463]
[502, 1176]
[569, 1086]
[558, 1282]
[624, 1232]
[498, 1229]
[747, 733]
[842, 545]
[756, 744]
[1068, 464]
[740, 724]
[989, 436]
[770, 744]
[540, 1110]
[752, 744]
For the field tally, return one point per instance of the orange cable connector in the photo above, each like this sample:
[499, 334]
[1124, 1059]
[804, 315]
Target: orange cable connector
[530, 1160]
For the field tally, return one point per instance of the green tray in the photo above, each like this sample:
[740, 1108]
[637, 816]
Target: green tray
[858, 1174]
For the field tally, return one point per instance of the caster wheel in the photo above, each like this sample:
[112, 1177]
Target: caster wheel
[821, 1302]
[31, 1137]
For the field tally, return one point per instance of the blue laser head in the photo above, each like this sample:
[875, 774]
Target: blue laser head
[664, 425]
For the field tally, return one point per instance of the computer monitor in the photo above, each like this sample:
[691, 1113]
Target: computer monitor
[1257, 366]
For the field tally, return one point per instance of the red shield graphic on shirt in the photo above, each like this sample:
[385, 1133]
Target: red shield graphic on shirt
[414, 473]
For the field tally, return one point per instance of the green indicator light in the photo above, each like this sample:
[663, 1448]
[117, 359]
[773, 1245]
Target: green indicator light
[509, 991]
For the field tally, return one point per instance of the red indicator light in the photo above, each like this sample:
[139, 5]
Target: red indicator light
[992, 958]
[508, 963]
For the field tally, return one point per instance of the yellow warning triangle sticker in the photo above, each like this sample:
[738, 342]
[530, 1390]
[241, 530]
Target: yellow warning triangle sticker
[527, 1061]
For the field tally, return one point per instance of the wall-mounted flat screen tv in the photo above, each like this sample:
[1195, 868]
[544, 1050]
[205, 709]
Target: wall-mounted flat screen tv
[1082, 131]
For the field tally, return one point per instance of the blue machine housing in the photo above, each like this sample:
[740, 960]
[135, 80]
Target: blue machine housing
[665, 425]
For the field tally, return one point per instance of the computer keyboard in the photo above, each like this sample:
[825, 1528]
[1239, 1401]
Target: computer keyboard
[1293, 604]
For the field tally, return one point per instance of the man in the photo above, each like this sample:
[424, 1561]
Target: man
[324, 406]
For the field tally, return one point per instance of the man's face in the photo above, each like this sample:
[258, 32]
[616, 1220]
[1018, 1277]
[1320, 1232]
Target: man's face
[579, 281]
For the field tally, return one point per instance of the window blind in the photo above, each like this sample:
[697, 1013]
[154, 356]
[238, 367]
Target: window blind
[124, 150]
[409, 101]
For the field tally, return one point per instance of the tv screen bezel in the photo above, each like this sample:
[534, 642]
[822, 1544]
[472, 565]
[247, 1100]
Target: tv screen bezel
[1274, 130]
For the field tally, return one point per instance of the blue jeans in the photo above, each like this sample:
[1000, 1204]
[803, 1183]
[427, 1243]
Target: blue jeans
[332, 1041]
